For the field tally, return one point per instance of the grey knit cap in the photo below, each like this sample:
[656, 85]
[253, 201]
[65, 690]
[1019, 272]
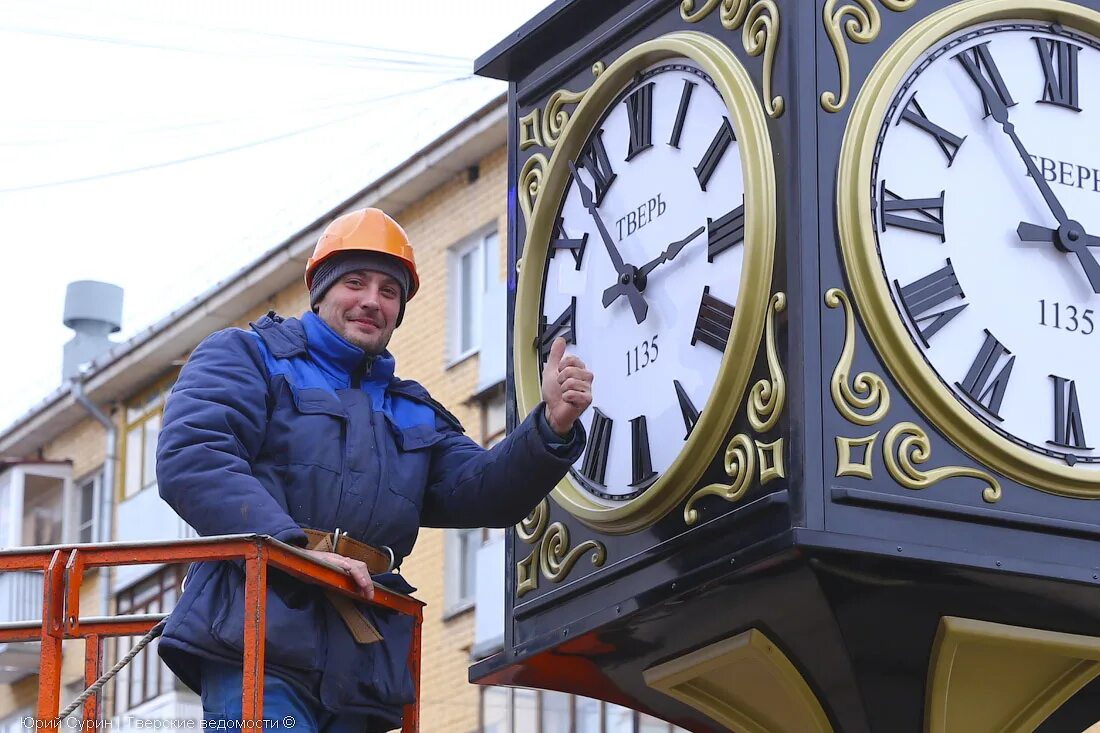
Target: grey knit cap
[334, 268]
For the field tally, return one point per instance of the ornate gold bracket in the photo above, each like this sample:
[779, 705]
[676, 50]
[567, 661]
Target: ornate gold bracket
[551, 554]
[764, 407]
[906, 445]
[759, 24]
[858, 21]
[543, 128]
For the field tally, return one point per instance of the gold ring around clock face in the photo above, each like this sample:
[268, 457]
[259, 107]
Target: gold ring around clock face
[650, 251]
[969, 219]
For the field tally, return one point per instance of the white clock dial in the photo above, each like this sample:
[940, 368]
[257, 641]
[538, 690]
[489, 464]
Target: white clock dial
[643, 271]
[985, 199]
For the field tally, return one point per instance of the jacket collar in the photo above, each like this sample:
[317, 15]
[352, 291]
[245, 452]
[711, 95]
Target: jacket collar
[310, 336]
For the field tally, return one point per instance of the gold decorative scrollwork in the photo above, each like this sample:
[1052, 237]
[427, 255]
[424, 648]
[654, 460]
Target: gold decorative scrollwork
[530, 133]
[770, 457]
[543, 128]
[555, 557]
[763, 409]
[845, 466]
[867, 390]
[551, 555]
[906, 444]
[740, 465]
[767, 396]
[530, 183]
[534, 524]
[759, 24]
[859, 22]
[915, 448]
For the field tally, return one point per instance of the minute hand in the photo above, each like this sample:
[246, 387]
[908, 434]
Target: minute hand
[669, 253]
[626, 274]
[999, 110]
[590, 204]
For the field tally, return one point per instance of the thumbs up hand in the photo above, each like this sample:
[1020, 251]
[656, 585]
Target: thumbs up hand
[566, 388]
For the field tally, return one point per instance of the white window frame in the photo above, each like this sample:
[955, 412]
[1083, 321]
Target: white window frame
[484, 246]
[95, 480]
[12, 492]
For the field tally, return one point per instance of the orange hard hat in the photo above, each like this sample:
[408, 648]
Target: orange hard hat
[365, 230]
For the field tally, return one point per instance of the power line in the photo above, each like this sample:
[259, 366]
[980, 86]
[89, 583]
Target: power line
[387, 63]
[222, 151]
[176, 23]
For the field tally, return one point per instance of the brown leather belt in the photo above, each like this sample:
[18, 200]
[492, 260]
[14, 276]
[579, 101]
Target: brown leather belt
[377, 562]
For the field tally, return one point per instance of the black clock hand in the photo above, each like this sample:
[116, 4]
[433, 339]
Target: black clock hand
[1067, 240]
[999, 110]
[625, 272]
[1070, 234]
[669, 253]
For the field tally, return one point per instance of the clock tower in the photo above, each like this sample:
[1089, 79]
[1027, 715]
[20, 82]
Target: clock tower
[835, 265]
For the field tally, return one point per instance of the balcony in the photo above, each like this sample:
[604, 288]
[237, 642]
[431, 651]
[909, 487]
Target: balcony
[141, 518]
[489, 595]
[20, 600]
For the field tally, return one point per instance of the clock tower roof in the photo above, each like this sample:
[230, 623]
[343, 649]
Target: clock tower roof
[554, 28]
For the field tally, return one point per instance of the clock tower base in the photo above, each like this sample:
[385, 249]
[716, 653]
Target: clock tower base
[808, 639]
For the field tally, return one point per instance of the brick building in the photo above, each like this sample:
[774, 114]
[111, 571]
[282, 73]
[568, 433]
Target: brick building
[451, 198]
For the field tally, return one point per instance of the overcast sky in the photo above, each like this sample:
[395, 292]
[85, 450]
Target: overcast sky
[162, 145]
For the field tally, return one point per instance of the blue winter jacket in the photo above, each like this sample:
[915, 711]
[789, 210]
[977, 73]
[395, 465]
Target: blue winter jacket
[279, 428]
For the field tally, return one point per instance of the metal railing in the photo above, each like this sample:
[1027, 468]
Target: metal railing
[64, 566]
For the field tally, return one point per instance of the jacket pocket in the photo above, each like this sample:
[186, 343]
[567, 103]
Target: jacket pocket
[295, 631]
[376, 672]
[307, 427]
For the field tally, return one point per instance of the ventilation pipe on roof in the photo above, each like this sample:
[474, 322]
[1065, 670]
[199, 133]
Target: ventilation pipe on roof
[94, 310]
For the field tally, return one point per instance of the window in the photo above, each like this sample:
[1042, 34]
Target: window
[33, 498]
[508, 710]
[462, 545]
[88, 511]
[145, 677]
[472, 269]
[493, 416]
[460, 583]
[139, 459]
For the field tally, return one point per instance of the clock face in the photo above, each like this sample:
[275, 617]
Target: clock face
[985, 201]
[643, 271]
[649, 248]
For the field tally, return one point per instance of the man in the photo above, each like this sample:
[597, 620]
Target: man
[298, 428]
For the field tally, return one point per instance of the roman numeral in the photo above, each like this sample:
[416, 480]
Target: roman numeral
[980, 385]
[599, 443]
[562, 326]
[714, 322]
[640, 107]
[930, 212]
[1059, 60]
[725, 231]
[978, 63]
[563, 241]
[681, 113]
[717, 149]
[687, 409]
[642, 472]
[949, 142]
[594, 160]
[1069, 431]
[920, 297]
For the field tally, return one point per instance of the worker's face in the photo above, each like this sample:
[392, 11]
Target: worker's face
[363, 307]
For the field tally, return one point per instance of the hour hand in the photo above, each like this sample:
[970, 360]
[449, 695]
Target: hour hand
[1035, 233]
[1069, 238]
